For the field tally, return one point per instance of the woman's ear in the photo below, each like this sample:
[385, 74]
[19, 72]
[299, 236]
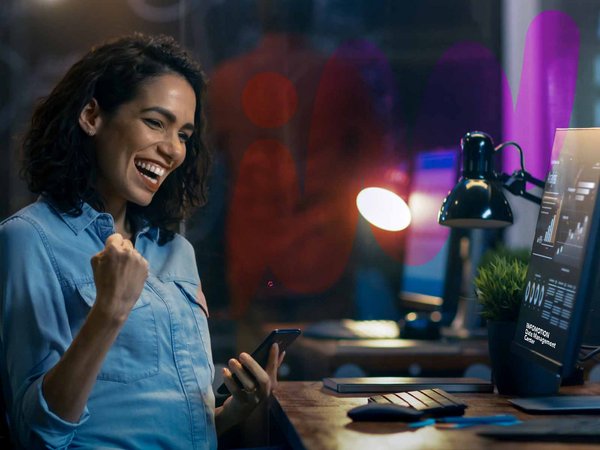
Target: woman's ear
[89, 118]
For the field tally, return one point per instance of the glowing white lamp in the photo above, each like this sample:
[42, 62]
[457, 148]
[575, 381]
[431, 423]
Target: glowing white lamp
[383, 208]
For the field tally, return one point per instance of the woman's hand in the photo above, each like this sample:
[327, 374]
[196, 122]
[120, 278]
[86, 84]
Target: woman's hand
[258, 383]
[119, 273]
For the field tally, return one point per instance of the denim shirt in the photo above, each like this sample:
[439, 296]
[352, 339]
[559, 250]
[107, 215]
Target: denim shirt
[154, 389]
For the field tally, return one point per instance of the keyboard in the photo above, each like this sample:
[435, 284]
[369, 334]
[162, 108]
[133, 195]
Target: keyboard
[430, 402]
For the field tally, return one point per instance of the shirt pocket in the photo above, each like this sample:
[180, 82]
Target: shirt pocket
[191, 292]
[134, 354]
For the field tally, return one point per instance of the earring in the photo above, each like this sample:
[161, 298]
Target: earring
[90, 132]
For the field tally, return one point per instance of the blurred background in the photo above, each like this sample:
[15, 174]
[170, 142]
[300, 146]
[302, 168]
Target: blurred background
[312, 100]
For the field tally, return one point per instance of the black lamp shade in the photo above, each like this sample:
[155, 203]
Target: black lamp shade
[477, 200]
[475, 203]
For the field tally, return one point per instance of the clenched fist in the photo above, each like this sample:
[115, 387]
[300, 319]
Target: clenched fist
[119, 273]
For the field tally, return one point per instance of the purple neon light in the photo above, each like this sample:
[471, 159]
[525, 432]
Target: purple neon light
[546, 92]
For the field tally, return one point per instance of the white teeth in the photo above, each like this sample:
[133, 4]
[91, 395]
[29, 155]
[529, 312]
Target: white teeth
[152, 168]
[152, 180]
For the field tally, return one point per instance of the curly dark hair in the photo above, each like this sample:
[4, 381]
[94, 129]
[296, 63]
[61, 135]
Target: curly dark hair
[59, 158]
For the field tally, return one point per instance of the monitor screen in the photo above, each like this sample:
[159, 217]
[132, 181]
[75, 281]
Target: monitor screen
[428, 281]
[563, 271]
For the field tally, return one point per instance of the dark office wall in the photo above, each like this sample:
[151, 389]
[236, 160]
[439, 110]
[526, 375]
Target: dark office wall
[428, 72]
[39, 39]
[391, 47]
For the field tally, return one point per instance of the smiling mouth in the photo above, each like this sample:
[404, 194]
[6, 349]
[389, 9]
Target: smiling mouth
[150, 172]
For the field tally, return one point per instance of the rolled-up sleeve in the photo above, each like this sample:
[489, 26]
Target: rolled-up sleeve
[34, 333]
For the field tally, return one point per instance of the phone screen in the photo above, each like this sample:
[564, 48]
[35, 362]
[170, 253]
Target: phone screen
[283, 338]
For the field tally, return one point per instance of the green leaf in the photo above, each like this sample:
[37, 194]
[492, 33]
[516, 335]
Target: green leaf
[499, 285]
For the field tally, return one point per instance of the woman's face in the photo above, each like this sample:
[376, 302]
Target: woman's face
[143, 141]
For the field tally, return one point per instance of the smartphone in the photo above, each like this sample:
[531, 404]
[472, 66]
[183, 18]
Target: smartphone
[282, 337]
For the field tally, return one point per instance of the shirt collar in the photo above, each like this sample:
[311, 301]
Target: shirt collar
[90, 215]
[79, 223]
[152, 232]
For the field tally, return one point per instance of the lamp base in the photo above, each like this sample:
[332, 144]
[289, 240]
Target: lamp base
[467, 323]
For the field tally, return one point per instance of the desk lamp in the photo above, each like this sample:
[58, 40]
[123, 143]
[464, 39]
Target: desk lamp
[477, 200]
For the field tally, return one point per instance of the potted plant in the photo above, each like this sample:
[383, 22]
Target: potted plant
[499, 288]
[500, 282]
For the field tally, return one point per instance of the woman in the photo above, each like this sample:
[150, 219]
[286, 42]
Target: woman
[114, 351]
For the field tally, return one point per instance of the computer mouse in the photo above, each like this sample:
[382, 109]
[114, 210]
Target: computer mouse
[377, 412]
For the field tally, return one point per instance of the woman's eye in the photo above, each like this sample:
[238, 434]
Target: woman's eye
[183, 137]
[153, 123]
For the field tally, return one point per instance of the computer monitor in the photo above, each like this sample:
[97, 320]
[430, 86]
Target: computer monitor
[560, 309]
[431, 276]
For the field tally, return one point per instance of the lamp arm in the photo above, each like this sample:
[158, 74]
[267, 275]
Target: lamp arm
[514, 144]
[515, 184]
[532, 198]
[531, 179]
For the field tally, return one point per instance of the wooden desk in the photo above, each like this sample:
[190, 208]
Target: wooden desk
[313, 359]
[308, 416]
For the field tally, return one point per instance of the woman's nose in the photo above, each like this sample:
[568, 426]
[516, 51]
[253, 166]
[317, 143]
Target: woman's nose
[173, 149]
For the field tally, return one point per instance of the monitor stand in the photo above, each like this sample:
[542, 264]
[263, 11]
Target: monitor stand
[533, 380]
[540, 394]
[576, 378]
